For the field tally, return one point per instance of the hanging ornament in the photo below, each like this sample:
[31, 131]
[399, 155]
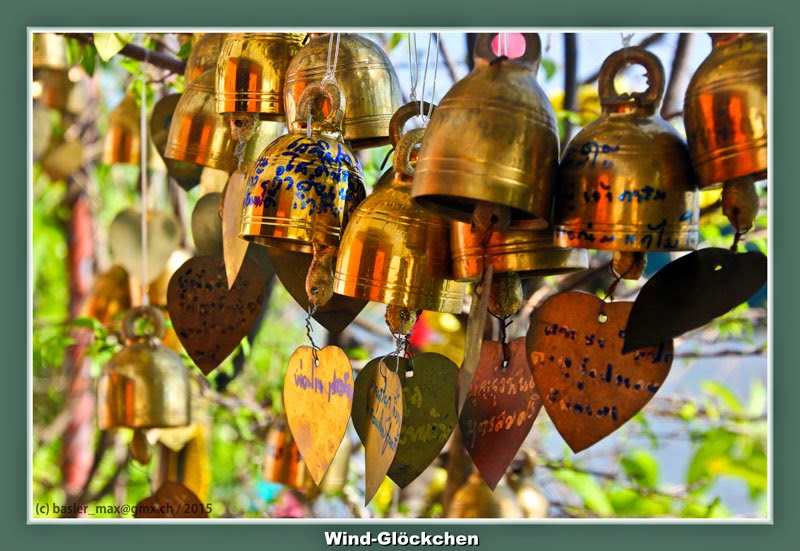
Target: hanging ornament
[109, 297]
[492, 143]
[126, 241]
[476, 500]
[172, 500]
[210, 319]
[589, 387]
[501, 406]
[187, 174]
[121, 144]
[63, 160]
[207, 225]
[318, 398]
[625, 182]
[283, 463]
[204, 55]
[429, 411]
[52, 85]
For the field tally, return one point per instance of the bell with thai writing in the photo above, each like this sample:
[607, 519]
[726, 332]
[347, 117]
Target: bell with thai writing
[204, 55]
[197, 134]
[144, 385]
[626, 182]
[393, 251]
[282, 461]
[493, 139]
[726, 119]
[251, 73]
[122, 139]
[367, 79]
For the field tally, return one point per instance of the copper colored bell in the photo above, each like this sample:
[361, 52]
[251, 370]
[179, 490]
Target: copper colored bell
[121, 144]
[366, 77]
[626, 182]
[251, 73]
[186, 174]
[282, 461]
[144, 385]
[303, 188]
[493, 139]
[725, 110]
[204, 55]
[394, 251]
[522, 249]
[197, 133]
[49, 51]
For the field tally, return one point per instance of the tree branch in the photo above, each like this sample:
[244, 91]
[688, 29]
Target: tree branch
[649, 40]
[154, 58]
[673, 97]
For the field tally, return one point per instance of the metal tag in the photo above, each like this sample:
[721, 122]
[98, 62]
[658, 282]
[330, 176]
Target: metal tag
[476, 324]
[210, 319]
[588, 386]
[500, 409]
[429, 411]
[207, 225]
[318, 398]
[171, 500]
[690, 292]
[384, 416]
[234, 247]
[164, 235]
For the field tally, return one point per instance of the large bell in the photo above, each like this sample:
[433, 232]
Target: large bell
[366, 77]
[493, 139]
[197, 133]
[625, 182]
[121, 144]
[144, 385]
[725, 110]
[251, 73]
[529, 252]
[204, 55]
[394, 251]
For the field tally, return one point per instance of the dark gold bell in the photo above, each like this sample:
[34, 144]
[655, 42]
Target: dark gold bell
[493, 139]
[394, 251]
[121, 144]
[522, 249]
[204, 55]
[144, 385]
[197, 133]
[251, 73]
[725, 110]
[625, 182]
[366, 77]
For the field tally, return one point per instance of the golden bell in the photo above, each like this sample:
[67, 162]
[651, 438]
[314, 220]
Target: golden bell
[282, 461]
[529, 252]
[476, 500]
[251, 73]
[49, 51]
[305, 185]
[204, 55]
[626, 182]
[144, 385]
[186, 174]
[725, 110]
[492, 139]
[394, 251]
[366, 77]
[121, 144]
[197, 133]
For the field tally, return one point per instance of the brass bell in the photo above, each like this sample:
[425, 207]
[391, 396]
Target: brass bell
[121, 144]
[521, 248]
[204, 55]
[144, 385]
[367, 79]
[186, 174]
[493, 139]
[251, 73]
[197, 133]
[726, 119]
[625, 182]
[282, 461]
[394, 251]
[49, 52]
[476, 500]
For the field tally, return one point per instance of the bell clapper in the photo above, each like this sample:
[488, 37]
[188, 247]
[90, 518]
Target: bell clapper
[319, 281]
[740, 205]
[628, 265]
[505, 300]
[140, 447]
[400, 319]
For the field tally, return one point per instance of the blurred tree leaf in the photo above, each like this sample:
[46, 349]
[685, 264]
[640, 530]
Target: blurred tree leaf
[723, 394]
[109, 44]
[587, 487]
[641, 467]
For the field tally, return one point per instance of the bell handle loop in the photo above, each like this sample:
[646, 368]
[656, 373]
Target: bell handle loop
[618, 61]
[143, 312]
[324, 88]
[405, 114]
[402, 154]
[531, 58]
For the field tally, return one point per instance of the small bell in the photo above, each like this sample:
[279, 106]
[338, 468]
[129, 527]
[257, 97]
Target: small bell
[366, 77]
[197, 133]
[625, 182]
[251, 73]
[476, 500]
[204, 55]
[49, 52]
[725, 115]
[493, 139]
[52, 85]
[282, 461]
[121, 142]
[186, 174]
[144, 385]
[394, 251]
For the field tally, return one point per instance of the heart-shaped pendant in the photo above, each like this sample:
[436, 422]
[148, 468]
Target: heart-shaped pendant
[500, 408]
[210, 319]
[317, 398]
[164, 236]
[234, 247]
[207, 225]
[588, 386]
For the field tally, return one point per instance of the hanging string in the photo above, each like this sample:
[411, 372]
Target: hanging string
[626, 39]
[143, 170]
[425, 78]
[331, 69]
[413, 65]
